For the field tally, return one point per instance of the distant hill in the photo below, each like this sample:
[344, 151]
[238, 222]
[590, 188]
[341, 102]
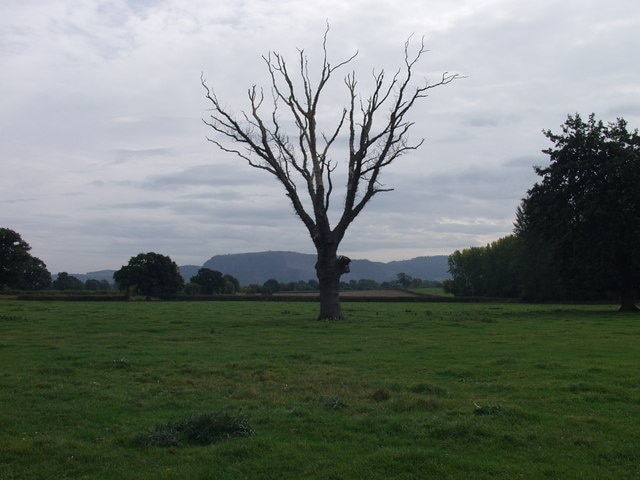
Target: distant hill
[256, 268]
[99, 275]
[187, 271]
[426, 268]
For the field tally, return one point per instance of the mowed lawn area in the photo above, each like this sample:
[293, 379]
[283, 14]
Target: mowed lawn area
[94, 390]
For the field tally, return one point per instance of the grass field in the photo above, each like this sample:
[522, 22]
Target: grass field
[397, 391]
[438, 291]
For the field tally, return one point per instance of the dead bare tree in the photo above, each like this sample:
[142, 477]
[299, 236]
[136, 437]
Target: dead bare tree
[301, 162]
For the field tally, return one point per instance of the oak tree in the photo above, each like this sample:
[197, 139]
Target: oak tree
[150, 274]
[210, 281]
[285, 139]
[64, 281]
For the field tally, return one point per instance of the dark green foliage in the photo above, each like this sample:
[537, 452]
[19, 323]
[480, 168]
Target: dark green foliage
[491, 271]
[199, 429]
[584, 209]
[35, 275]
[270, 286]
[576, 231]
[93, 284]
[232, 285]
[150, 274]
[19, 270]
[64, 281]
[210, 281]
[14, 253]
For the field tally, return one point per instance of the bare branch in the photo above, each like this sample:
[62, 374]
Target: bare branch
[371, 151]
[374, 141]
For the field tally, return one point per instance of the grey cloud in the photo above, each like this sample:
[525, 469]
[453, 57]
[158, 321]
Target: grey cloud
[144, 205]
[211, 175]
[128, 155]
[103, 101]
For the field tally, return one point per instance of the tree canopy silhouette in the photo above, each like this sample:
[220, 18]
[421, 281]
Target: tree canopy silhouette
[18, 268]
[150, 274]
[585, 207]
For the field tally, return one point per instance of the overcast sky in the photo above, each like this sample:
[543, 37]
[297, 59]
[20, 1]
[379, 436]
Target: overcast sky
[104, 155]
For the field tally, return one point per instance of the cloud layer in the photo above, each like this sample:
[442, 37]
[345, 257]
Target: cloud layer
[104, 152]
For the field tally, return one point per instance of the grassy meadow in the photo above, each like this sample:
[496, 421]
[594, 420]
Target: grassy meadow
[397, 391]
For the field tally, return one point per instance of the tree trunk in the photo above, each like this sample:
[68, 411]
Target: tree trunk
[329, 280]
[627, 300]
[329, 269]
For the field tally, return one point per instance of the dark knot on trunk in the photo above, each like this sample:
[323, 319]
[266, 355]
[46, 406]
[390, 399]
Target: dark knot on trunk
[343, 264]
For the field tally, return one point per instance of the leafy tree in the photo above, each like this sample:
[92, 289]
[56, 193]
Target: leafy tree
[210, 281]
[299, 286]
[64, 281]
[35, 275]
[14, 255]
[466, 268]
[272, 286]
[539, 272]
[150, 274]
[302, 161]
[93, 284]
[231, 284]
[404, 280]
[493, 270]
[18, 268]
[252, 289]
[192, 289]
[585, 208]
[502, 263]
[366, 284]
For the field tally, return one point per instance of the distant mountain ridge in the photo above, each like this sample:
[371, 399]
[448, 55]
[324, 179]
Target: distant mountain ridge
[258, 267]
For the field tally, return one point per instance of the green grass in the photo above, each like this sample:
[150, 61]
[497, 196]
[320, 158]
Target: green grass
[438, 291]
[399, 390]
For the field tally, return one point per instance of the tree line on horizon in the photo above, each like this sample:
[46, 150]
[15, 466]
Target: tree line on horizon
[575, 238]
[156, 276]
[576, 233]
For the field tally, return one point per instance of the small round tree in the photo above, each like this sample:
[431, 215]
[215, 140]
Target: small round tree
[210, 281]
[150, 274]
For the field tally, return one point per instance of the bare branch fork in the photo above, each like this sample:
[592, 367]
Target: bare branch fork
[300, 160]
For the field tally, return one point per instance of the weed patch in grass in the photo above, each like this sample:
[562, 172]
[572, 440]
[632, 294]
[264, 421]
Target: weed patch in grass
[199, 429]
[428, 403]
[333, 403]
[428, 388]
[487, 409]
[120, 364]
[380, 395]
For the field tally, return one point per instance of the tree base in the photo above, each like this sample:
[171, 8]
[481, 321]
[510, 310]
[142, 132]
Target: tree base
[330, 319]
[629, 308]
